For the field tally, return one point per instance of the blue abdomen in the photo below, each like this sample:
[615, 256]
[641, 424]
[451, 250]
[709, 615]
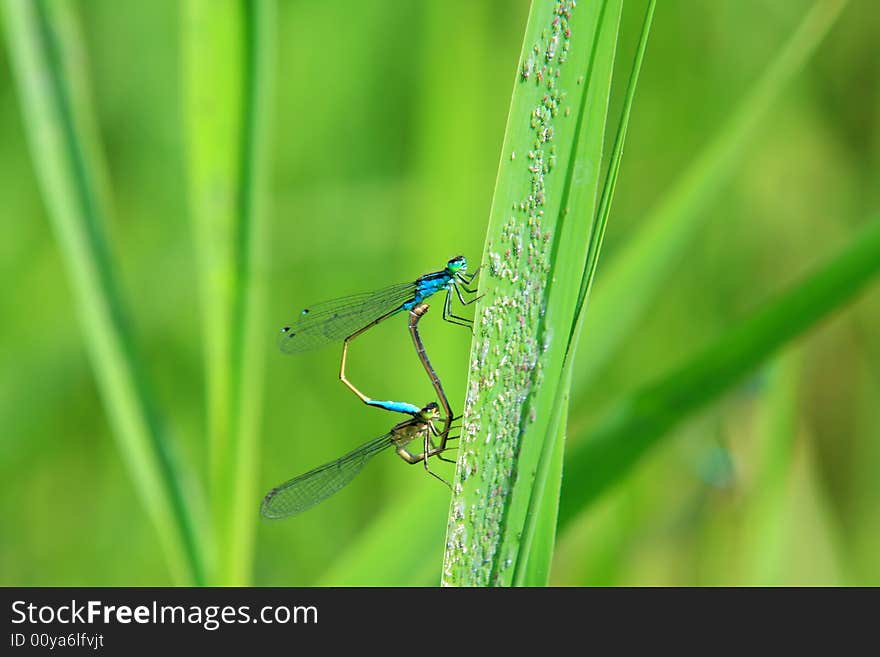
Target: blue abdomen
[397, 407]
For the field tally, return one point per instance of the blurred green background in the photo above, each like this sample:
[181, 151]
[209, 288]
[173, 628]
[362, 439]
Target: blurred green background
[385, 138]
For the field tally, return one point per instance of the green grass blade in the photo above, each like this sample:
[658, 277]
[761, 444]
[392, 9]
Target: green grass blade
[226, 53]
[787, 495]
[606, 454]
[536, 247]
[46, 50]
[765, 511]
[634, 276]
[608, 188]
[811, 512]
[539, 534]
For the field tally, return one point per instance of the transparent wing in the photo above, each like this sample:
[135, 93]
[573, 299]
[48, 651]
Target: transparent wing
[307, 490]
[339, 318]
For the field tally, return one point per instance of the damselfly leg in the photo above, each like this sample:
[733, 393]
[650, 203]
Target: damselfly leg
[461, 282]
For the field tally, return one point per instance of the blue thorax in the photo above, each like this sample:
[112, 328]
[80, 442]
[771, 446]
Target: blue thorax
[429, 284]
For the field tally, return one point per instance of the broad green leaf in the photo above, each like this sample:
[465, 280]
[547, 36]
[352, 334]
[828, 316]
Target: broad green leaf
[539, 534]
[534, 260]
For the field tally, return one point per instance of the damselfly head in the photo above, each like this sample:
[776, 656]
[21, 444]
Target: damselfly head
[430, 412]
[457, 264]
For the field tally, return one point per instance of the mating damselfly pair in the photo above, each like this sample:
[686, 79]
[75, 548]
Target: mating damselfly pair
[345, 319]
